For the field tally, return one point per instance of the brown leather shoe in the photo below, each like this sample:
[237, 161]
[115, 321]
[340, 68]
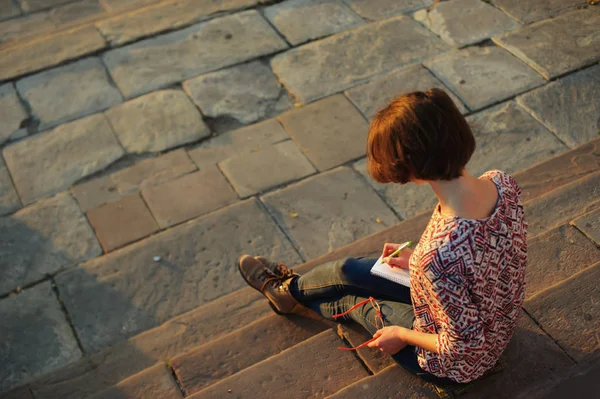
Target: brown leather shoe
[272, 280]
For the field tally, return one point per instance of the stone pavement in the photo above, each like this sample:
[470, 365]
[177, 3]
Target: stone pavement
[147, 143]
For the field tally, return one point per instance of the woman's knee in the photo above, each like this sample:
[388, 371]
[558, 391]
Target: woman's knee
[350, 269]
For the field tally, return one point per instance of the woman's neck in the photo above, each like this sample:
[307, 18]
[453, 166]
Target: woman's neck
[466, 196]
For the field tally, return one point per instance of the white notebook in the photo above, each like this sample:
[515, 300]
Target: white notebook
[397, 275]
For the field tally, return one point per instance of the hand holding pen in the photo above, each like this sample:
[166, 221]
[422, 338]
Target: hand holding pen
[397, 255]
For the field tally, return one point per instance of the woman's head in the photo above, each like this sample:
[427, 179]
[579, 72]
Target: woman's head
[419, 136]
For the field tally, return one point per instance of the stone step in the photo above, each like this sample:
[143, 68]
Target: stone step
[529, 346]
[581, 383]
[314, 368]
[204, 323]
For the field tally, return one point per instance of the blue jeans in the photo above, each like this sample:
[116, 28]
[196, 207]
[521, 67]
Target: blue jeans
[335, 287]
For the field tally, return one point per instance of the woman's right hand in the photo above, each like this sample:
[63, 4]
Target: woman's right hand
[401, 260]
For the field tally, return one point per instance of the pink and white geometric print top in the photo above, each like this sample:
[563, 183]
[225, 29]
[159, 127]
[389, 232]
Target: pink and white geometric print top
[468, 283]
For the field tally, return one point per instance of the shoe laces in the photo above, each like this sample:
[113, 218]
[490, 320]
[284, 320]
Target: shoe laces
[283, 273]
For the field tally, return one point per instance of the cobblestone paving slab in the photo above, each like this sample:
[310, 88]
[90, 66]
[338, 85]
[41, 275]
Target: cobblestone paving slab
[9, 200]
[569, 107]
[167, 15]
[340, 61]
[589, 225]
[328, 211]
[557, 46]
[147, 173]
[36, 338]
[50, 162]
[550, 264]
[304, 20]
[379, 9]
[76, 12]
[378, 92]
[247, 93]
[35, 5]
[240, 141]
[482, 76]
[154, 382]
[465, 22]
[205, 47]
[8, 9]
[12, 113]
[330, 132]
[569, 312]
[157, 121]
[122, 222]
[49, 52]
[528, 11]
[42, 239]
[86, 83]
[529, 346]
[284, 161]
[510, 139]
[188, 197]
[118, 295]
[407, 200]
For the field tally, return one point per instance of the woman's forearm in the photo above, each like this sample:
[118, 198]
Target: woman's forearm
[422, 340]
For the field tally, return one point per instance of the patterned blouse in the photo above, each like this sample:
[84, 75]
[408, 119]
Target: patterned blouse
[467, 284]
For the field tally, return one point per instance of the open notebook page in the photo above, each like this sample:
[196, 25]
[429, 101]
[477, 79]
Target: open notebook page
[400, 276]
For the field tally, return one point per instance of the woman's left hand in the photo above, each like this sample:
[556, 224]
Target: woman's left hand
[388, 340]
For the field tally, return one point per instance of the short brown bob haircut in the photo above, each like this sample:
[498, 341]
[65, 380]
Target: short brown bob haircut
[419, 135]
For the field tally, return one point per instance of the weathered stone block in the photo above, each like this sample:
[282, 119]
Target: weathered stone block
[122, 222]
[86, 83]
[167, 15]
[247, 93]
[12, 113]
[569, 312]
[157, 121]
[205, 47]
[147, 173]
[25, 26]
[407, 200]
[566, 202]
[555, 256]
[118, 5]
[557, 46]
[482, 76]
[284, 161]
[49, 51]
[125, 292]
[569, 106]
[333, 64]
[379, 91]
[589, 224]
[244, 140]
[9, 200]
[465, 22]
[154, 382]
[42, 239]
[304, 20]
[528, 11]
[508, 138]
[188, 197]
[36, 336]
[77, 12]
[8, 9]
[328, 211]
[243, 348]
[330, 132]
[35, 5]
[309, 361]
[379, 9]
[50, 162]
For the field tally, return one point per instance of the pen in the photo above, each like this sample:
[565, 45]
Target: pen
[396, 252]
